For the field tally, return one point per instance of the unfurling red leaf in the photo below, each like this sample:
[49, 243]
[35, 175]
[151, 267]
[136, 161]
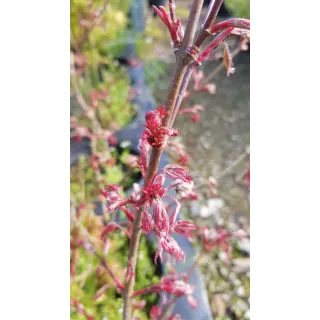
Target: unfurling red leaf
[175, 171]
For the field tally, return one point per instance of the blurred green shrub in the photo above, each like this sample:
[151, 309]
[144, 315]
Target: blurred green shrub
[99, 33]
[239, 8]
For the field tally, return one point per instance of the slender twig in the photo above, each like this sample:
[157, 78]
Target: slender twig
[169, 306]
[182, 90]
[195, 264]
[101, 258]
[227, 170]
[192, 23]
[152, 169]
[224, 172]
[106, 266]
[211, 16]
[214, 8]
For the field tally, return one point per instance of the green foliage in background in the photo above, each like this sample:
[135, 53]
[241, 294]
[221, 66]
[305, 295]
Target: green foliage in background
[103, 33]
[109, 305]
[98, 36]
[239, 8]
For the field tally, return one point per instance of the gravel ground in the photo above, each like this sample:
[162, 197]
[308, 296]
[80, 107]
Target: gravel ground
[223, 133]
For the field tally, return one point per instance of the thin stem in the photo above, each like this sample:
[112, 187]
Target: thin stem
[227, 170]
[106, 266]
[195, 264]
[192, 23]
[241, 158]
[152, 169]
[211, 16]
[101, 258]
[182, 90]
[169, 306]
[176, 82]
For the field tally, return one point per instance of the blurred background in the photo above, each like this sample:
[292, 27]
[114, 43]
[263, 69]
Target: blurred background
[120, 65]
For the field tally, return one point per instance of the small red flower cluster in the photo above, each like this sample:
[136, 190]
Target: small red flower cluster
[155, 132]
[158, 221]
[153, 135]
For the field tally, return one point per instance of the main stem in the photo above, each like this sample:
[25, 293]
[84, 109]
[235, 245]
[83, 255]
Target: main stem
[152, 169]
[183, 60]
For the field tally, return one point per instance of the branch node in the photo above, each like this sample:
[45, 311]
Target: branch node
[193, 52]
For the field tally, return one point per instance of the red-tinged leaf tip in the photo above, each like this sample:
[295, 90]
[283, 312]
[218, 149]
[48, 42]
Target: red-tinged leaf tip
[214, 44]
[157, 11]
[238, 23]
[184, 228]
[166, 16]
[175, 171]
